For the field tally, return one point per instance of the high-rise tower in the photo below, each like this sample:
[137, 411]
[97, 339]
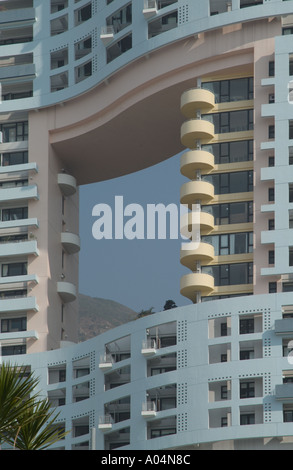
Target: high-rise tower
[92, 90]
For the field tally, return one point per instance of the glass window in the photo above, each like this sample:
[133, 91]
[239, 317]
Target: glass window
[246, 326]
[235, 182]
[14, 158]
[14, 269]
[234, 213]
[247, 390]
[231, 90]
[13, 324]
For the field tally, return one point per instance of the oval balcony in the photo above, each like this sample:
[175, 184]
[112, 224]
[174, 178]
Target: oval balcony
[195, 160]
[70, 242]
[67, 184]
[206, 223]
[194, 191]
[67, 291]
[194, 130]
[203, 252]
[191, 284]
[195, 100]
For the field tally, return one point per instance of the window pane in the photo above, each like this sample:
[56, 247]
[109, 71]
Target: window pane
[239, 89]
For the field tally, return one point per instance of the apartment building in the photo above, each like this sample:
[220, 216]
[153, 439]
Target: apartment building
[92, 90]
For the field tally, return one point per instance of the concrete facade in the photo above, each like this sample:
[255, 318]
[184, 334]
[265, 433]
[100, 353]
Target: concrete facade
[92, 90]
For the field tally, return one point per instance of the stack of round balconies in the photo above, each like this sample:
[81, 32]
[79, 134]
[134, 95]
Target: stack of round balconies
[194, 163]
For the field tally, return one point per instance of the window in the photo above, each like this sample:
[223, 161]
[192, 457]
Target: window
[271, 161]
[271, 132]
[290, 218]
[231, 152]
[15, 131]
[290, 192]
[246, 354]
[231, 90]
[14, 214]
[290, 255]
[234, 121]
[14, 158]
[290, 155]
[271, 194]
[13, 324]
[238, 182]
[83, 14]
[246, 326]
[83, 48]
[271, 69]
[234, 213]
[14, 269]
[162, 432]
[247, 390]
[272, 287]
[224, 329]
[13, 350]
[119, 48]
[271, 257]
[271, 224]
[248, 418]
[288, 416]
[230, 244]
[290, 129]
[230, 274]
[224, 392]
[286, 31]
[120, 19]
[162, 24]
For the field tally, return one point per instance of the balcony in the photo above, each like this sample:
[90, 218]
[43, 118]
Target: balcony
[19, 223]
[284, 326]
[149, 348]
[70, 242]
[67, 184]
[194, 191]
[195, 160]
[67, 291]
[203, 253]
[194, 130]
[206, 223]
[284, 392]
[19, 304]
[20, 193]
[26, 71]
[148, 410]
[105, 423]
[19, 248]
[16, 16]
[194, 283]
[21, 170]
[18, 336]
[150, 9]
[196, 100]
[106, 362]
[107, 34]
[24, 279]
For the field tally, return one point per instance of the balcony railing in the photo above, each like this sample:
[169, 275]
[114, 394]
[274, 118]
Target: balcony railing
[149, 347]
[105, 422]
[106, 362]
[149, 409]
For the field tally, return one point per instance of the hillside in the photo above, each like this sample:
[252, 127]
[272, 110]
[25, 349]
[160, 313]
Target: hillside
[98, 315]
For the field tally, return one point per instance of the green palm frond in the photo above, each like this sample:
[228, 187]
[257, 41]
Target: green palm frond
[17, 391]
[26, 421]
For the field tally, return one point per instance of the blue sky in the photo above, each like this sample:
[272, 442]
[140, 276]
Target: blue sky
[137, 273]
